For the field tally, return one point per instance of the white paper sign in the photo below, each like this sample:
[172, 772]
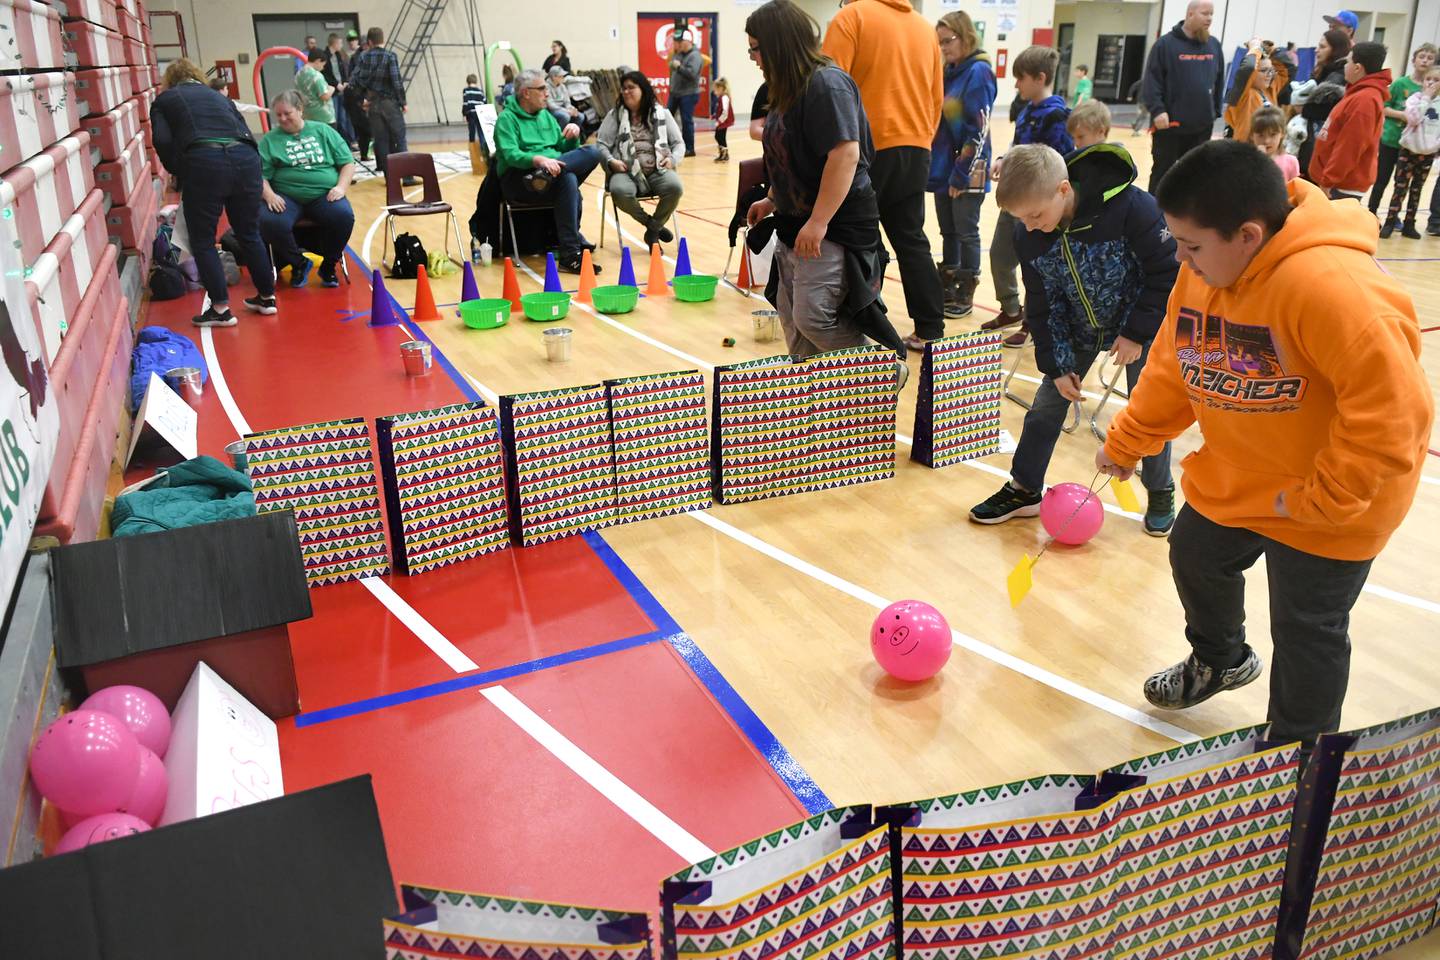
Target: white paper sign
[224, 753]
[169, 417]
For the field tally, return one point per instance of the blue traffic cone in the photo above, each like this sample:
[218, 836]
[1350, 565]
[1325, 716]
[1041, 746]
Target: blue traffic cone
[627, 269]
[469, 289]
[682, 260]
[382, 314]
[552, 275]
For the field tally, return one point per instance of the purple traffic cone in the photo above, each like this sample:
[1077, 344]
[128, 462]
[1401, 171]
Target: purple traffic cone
[627, 269]
[382, 314]
[469, 289]
[552, 275]
[682, 260]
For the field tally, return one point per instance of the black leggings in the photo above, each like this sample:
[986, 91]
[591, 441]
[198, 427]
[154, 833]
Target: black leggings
[721, 135]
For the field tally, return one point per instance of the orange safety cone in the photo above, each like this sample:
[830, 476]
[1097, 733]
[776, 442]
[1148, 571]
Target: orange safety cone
[587, 277]
[658, 286]
[424, 299]
[743, 281]
[512, 285]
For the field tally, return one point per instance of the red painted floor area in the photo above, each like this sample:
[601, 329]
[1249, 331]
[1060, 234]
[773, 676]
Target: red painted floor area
[467, 799]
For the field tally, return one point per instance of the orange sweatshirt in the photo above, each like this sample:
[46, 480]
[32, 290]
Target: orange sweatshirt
[892, 53]
[1304, 376]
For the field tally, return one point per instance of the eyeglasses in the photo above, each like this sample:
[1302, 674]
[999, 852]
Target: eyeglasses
[946, 41]
[541, 87]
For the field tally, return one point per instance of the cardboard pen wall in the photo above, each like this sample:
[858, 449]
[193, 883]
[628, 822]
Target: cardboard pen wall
[295, 878]
[229, 589]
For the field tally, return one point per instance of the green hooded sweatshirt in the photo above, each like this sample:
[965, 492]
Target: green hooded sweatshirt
[519, 136]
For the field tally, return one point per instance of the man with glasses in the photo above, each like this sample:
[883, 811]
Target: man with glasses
[538, 161]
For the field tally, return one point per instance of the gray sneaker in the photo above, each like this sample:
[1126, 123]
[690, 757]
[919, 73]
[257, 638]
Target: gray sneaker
[1190, 682]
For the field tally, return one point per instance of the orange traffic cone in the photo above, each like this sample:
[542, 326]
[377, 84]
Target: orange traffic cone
[657, 287]
[424, 299]
[587, 277]
[512, 285]
[743, 281]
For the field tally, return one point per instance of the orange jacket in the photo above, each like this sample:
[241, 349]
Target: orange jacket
[1347, 148]
[1304, 377]
[892, 53]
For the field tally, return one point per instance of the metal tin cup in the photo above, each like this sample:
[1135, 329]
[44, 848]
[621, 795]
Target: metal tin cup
[416, 354]
[766, 325]
[236, 452]
[557, 344]
[187, 382]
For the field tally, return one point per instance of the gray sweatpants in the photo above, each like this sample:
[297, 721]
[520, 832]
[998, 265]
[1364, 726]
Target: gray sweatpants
[809, 295]
[1005, 264]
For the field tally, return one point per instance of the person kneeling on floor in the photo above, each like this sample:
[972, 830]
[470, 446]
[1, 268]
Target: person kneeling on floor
[539, 162]
[307, 168]
[1298, 357]
[641, 145]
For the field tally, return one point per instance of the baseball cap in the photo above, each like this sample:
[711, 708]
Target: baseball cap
[1344, 19]
[352, 35]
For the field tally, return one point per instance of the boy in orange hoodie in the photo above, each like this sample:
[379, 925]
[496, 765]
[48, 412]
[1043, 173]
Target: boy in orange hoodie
[1298, 358]
[1347, 148]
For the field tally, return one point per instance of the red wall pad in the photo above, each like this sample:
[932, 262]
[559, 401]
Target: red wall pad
[443, 472]
[135, 51]
[45, 190]
[559, 467]
[118, 177]
[143, 101]
[139, 77]
[102, 12]
[323, 472]
[957, 411]
[101, 89]
[95, 46]
[128, 24]
[662, 444]
[112, 132]
[493, 928]
[131, 7]
[36, 30]
[61, 275]
[126, 224]
[35, 111]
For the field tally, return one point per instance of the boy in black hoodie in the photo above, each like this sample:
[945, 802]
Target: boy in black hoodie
[1184, 81]
[1098, 263]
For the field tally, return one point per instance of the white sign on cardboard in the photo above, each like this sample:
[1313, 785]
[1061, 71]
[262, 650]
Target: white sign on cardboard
[169, 417]
[224, 753]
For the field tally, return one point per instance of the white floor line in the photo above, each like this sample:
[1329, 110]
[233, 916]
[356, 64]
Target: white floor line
[1417, 602]
[1009, 661]
[418, 625]
[217, 380]
[491, 397]
[1430, 480]
[611, 787]
[380, 218]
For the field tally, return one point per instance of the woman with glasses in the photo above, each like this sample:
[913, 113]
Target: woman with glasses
[641, 145]
[821, 206]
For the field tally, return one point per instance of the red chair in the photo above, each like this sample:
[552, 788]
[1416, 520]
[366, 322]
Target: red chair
[399, 167]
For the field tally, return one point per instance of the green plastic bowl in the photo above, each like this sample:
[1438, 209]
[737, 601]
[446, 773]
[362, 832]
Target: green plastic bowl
[545, 307]
[485, 314]
[696, 288]
[615, 299]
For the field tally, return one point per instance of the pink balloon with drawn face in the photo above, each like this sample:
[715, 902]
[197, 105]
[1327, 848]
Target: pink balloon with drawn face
[138, 709]
[910, 640]
[107, 826]
[86, 762]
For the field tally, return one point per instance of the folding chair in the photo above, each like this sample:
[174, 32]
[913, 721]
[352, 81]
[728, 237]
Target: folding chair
[752, 177]
[398, 167]
[605, 198]
[506, 216]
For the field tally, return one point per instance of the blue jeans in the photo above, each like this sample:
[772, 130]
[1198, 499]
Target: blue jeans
[959, 219]
[564, 193]
[342, 120]
[224, 179]
[1046, 417]
[684, 110]
[335, 219]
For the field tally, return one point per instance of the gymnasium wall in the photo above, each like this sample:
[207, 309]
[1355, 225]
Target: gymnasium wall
[1092, 19]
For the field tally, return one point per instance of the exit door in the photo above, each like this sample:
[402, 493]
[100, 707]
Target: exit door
[278, 73]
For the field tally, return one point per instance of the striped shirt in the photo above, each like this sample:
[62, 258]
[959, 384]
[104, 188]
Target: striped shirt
[470, 98]
[377, 73]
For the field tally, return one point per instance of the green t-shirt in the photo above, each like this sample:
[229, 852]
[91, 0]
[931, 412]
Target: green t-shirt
[311, 82]
[1083, 86]
[1400, 91]
[303, 166]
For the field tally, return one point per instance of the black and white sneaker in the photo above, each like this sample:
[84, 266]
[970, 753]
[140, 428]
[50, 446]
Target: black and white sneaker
[215, 318]
[572, 262]
[265, 305]
[1190, 682]
[1160, 512]
[1009, 501]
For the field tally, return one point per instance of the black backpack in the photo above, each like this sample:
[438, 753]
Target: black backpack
[409, 254]
[167, 280]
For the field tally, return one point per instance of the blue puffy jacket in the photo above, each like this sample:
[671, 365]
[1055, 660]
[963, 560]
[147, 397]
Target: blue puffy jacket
[961, 147]
[156, 351]
[1107, 273]
[1044, 122]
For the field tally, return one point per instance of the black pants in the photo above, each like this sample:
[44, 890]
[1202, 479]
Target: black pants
[1385, 167]
[387, 126]
[360, 121]
[722, 135]
[1168, 146]
[1310, 601]
[899, 176]
[225, 179]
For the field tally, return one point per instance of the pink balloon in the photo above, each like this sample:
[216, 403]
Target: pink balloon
[147, 802]
[138, 709]
[1071, 513]
[910, 640]
[107, 826]
[86, 762]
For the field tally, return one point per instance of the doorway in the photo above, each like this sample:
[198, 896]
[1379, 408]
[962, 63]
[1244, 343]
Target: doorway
[1065, 43]
[278, 73]
[1119, 62]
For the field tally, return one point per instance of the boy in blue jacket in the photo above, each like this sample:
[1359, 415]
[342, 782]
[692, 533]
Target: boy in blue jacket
[1041, 121]
[1098, 262]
